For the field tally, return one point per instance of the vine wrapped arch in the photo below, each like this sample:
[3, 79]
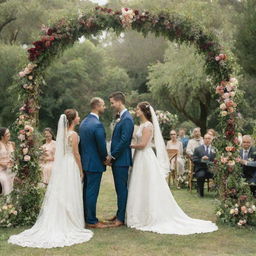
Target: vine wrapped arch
[64, 34]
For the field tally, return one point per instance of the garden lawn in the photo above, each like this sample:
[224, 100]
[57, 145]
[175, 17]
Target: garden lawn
[124, 241]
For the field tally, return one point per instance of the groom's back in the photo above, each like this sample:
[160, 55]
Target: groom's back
[92, 154]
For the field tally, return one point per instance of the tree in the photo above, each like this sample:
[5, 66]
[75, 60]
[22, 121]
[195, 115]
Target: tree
[12, 58]
[20, 22]
[83, 72]
[246, 37]
[181, 83]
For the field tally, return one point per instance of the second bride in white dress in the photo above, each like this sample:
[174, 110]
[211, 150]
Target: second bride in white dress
[61, 219]
[150, 204]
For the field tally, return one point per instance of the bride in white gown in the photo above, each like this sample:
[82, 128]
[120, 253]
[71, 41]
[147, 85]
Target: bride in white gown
[150, 204]
[61, 219]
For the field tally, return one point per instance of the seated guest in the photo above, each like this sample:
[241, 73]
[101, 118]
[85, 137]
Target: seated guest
[174, 143]
[183, 138]
[6, 161]
[203, 157]
[212, 132]
[195, 142]
[248, 161]
[47, 158]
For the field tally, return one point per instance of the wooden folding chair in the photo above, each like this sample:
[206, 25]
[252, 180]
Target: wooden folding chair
[173, 155]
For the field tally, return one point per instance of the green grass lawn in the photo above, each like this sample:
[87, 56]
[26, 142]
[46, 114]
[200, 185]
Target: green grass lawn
[124, 241]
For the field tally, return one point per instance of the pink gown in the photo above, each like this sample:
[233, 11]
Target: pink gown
[47, 160]
[6, 174]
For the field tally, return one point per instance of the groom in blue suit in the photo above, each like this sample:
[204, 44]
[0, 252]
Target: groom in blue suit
[93, 154]
[121, 156]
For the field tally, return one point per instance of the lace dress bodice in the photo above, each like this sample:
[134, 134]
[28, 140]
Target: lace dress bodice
[148, 125]
[69, 148]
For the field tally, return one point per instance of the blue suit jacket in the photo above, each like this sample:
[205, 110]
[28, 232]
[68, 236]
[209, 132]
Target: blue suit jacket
[92, 146]
[121, 141]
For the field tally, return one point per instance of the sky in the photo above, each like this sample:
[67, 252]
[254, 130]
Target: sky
[100, 2]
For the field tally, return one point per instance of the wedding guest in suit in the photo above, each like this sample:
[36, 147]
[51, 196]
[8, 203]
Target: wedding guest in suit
[93, 152]
[174, 143]
[183, 138]
[248, 161]
[6, 161]
[121, 154]
[203, 156]
[47, 159]
[195, 142]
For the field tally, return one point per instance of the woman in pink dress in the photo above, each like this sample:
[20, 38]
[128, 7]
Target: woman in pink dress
[6, 162]
[47, 158]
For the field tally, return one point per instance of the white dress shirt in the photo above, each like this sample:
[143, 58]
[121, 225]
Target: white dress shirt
[95, 115]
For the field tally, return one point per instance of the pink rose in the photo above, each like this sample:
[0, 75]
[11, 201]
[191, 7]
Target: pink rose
[217, 58]
[224, 160]
[244, 209]
[231, 110]
[220, 89]
[22, 74]
[226, 95]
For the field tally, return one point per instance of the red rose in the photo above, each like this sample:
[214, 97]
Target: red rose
[243, 197]
[49, 32]
[22, 132]
[126, 9]
[109, 10]
[136, 12]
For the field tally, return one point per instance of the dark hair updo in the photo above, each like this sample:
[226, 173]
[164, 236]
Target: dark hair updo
[71, 115]
[145, 108]
[2, 132]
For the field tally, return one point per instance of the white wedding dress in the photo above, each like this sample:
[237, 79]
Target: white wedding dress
[61, 219]
[150, 204]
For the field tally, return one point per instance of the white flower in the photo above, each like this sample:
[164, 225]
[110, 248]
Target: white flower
[27, 158]
[218, 213]
[254, 207]
[233, 81]
[232, 211]
[5, 207]
[232, 94]
[21, 137]
[223, 106]
[223, 113]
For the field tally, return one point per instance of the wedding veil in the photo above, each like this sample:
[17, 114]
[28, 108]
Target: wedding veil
[161, 152]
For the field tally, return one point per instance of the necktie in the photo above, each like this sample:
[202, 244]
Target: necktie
[246, 155]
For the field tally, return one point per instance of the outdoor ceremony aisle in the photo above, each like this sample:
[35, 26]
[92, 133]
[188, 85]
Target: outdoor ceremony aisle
[125, 242]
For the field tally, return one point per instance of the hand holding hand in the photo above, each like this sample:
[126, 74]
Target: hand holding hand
[205, 158]
[108, 161]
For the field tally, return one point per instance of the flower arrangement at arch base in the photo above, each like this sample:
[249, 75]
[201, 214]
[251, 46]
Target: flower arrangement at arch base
[236, 206]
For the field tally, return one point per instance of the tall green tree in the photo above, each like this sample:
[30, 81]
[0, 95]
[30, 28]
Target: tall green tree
[180, 83]
[246, 38]
[83, 72]
[12, 59]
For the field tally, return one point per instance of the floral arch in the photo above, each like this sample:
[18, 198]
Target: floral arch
[23, 206]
